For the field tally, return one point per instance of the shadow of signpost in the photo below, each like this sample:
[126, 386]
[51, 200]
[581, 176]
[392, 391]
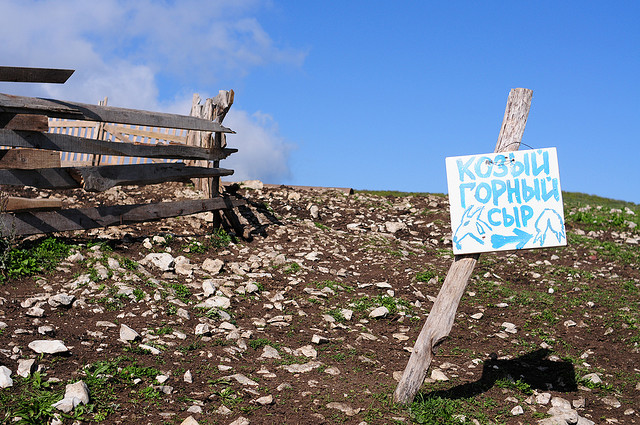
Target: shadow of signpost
[533, 369]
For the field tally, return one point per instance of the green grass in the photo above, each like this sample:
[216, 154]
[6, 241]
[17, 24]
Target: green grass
[41, 257]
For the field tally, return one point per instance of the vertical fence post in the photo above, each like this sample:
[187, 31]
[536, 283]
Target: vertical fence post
[440, 320]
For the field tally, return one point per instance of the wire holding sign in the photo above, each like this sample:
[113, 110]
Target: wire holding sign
[503, 202]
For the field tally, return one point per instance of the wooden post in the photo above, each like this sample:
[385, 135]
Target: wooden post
[100, 133]
[215, 110]
[440, 320]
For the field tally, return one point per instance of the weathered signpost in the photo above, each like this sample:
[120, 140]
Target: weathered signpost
[486, 219]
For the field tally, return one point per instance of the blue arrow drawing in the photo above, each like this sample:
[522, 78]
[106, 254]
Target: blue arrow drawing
[520, 236]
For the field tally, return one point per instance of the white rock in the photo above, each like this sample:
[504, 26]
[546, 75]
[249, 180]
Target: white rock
[593, 378]
[79, 390]
[569, 323]
[26, 367]
[518, 410]
[189, 421]
[183, 266]
[438, 375]
[187, 377]
[149, 348]
[379, 312]
[477, 316]
[265, 401]
[543, 398]
[570, 416]
[344, 408]
[209, 287]
[251, 288]
[268, 352]
[307, 351]
[301, 368]
[35, 312]
[217, 301]
[61, 300]
[394, 226]
[202, 329]
[243, 380]
[213, 266]
[128, 334]
[315, 212]
[194, 409]
[46, 346]
[611, 401]
[162, 260]
[5, 377]
[317, 339]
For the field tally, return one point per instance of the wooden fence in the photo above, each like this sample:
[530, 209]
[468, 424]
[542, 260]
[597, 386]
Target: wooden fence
[53, 144]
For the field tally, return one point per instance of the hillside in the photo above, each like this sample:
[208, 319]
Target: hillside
[165, 321]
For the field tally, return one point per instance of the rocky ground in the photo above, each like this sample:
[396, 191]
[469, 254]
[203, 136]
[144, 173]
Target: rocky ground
[311, 320]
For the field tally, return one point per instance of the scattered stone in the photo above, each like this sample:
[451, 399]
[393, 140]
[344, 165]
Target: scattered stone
[5, 377]
[594, 378]
[268, 352]
[317, 339]
[243, 380]
[213, 266]
[265, 401]
[161, 260]
[477, 316]
[46, 346]
[569, 323]
[307, 351]
[35, 312]
[611, 401]
[344, 408]
[194, 409]
[561, 403]
[74, 395]
[241, 421]
[301, 368]
[438, 375]
[128, 334]
[543, 398]
[518, 410]
[394, 226]
[189, 421]
[61, 300]
[379, 312]
[26, 367]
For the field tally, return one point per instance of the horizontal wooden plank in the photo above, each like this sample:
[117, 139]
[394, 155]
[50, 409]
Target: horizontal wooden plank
[119, 129]
[24, 122]
[14, 203]
[66, 143]
[63, 123]
[29, 159]
[83, 111]
[30, 223]
[34, 75]
[98, 179]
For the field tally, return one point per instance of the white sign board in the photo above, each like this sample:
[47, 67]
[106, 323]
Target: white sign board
[505, 201]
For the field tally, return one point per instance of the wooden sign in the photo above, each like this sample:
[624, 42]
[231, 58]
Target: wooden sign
[505, 201]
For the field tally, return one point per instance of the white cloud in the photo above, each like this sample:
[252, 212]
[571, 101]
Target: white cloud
[149, 55]
[263, 153]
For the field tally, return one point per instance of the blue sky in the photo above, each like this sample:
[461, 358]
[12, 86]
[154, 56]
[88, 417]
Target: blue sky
[363, 94]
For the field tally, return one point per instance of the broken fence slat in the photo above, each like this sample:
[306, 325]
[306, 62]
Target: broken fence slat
[97, 179]
[18, 74]
[23, 204]
[29, 159]
[28, 122]
[67, 143]
[30, 223]
[83, 111]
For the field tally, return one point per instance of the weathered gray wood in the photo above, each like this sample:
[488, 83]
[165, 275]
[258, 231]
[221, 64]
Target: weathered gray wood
[34, 75]
[24, 122]
[440, 320]
[29, 223]
[14, 203]
[82, 111]
[29, 159]
[66, 143]
[97, 179]
[214, 109]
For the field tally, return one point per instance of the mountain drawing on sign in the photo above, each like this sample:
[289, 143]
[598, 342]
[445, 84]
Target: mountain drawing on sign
[549, 221]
